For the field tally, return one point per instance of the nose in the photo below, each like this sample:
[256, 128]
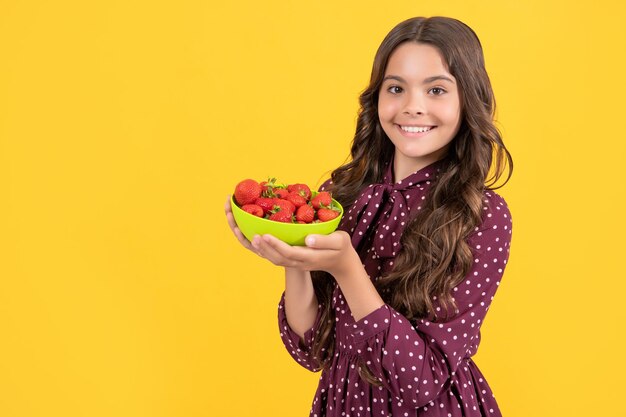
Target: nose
[414, 104]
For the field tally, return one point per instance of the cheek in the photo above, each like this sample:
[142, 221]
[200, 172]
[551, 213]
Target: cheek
[380, 108]
[386, 110]
[385, 117]
[451, 114]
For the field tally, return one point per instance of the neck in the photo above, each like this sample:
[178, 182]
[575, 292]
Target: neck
[404, 166]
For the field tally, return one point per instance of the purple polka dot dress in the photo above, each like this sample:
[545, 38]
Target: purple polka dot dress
[425, 367]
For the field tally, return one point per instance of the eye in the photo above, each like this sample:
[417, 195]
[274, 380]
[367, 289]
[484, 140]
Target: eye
[438, 91]
[394, 89]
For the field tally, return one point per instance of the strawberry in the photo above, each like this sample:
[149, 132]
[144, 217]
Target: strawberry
[305, 214]
[283, 205]
[291, 203]
[268, 187]
[247, 191]
[321, 199]
[253, 209]
[282, 216]
[281, 193]
[267, 204]
[296, 199]
[326, 214]
[301, 189]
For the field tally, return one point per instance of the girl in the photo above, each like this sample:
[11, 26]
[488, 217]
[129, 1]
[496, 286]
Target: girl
[390, 305]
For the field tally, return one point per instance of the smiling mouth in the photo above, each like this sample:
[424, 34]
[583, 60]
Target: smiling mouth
[416, 129]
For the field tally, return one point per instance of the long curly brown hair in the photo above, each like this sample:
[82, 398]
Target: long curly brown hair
[435, 254]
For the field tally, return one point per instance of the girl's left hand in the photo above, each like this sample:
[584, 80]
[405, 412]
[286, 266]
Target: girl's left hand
[332, 253]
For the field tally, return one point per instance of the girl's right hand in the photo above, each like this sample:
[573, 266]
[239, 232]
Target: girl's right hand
[233, 226]
[246, 243]
[256, 249]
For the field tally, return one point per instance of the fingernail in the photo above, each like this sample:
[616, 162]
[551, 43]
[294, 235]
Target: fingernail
[310, 241]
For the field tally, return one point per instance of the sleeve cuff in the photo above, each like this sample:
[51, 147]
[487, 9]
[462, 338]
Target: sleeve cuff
[375, 322]
[305, 344]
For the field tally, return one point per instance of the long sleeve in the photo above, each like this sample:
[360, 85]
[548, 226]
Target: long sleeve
[299, 349]
[416, 362]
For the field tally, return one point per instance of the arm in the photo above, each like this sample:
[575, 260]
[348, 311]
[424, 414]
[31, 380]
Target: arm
[301, 305]
[300, 302]
[357, 287]
[299, 346]
[415, 362]
[332, 253]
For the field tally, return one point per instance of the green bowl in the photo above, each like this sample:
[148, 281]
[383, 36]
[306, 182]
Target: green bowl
[290, 233]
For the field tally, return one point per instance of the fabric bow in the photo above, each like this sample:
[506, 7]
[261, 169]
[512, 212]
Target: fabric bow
[384, 209]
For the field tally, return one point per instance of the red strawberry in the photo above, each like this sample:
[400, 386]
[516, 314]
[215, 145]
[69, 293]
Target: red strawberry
[282, 216]
[283, 205]
[326, 214]
[247, 191]
[321, 199]
[296, 199]
[301, 189]
[281, 193]
[253, 209]
[267, 204]
[305, 214]
[268, 186]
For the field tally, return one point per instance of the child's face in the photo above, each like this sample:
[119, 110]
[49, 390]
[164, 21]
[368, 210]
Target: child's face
[408, 100]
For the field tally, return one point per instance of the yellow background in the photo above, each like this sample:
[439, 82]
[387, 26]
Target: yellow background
[124, 125]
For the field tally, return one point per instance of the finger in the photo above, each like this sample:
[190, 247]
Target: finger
[333, 241]
[236, 231]
[242, 239]
[227, 205]
[231, 220]
[229, 215]
[294, 253]
[261, 245]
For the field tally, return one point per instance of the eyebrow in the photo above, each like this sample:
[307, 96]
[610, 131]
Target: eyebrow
[426, 81]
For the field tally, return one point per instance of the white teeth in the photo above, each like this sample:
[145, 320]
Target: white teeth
[414, 129]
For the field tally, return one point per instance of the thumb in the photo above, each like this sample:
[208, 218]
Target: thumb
[312, 241]
[334, 241]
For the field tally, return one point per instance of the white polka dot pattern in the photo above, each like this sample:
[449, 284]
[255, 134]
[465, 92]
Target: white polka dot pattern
[425, 367]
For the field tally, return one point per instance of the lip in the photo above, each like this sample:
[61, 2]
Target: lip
[414, 134]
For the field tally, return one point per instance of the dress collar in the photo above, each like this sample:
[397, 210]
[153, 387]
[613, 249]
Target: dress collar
[427, 173]
[382, 210]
